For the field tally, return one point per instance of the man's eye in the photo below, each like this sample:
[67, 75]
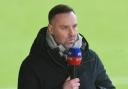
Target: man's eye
[74, 26]
[64, 28]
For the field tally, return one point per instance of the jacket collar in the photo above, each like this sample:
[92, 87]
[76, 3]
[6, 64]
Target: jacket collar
[40, 44]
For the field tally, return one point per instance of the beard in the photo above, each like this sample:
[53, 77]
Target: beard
[70, 41]
[67, 42]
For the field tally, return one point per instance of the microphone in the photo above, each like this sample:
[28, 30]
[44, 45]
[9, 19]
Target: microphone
[74, 60]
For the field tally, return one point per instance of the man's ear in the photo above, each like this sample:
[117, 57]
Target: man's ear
[50, 29]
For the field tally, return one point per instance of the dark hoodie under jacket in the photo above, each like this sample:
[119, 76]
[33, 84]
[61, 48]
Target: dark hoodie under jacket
[44, 68]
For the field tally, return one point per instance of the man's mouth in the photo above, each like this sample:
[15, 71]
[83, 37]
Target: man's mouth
[71, 41]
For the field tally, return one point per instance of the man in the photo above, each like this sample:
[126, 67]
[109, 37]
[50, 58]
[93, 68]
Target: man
[46, 66]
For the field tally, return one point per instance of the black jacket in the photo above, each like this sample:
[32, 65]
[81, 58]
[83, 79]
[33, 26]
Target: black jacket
[44, 68]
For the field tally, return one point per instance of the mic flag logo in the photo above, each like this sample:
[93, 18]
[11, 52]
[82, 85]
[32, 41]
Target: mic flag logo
[74, 56]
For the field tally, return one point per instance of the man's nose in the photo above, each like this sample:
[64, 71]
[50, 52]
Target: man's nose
[72, 32]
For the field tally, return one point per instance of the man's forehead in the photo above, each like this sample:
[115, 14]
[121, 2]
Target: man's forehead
[64, 16]
[66, 25]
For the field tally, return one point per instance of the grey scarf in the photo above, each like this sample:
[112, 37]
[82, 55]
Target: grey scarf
[62, 48]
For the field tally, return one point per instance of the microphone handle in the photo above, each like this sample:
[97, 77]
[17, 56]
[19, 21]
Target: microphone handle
[73, 72]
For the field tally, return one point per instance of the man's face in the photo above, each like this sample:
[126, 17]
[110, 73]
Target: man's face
[63, 28]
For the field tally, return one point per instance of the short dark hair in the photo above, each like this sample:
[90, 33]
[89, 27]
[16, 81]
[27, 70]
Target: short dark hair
[60, 8]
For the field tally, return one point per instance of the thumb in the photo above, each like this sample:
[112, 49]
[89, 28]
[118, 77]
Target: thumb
[68, 78]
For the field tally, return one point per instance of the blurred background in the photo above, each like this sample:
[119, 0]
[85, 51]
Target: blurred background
[104, 23]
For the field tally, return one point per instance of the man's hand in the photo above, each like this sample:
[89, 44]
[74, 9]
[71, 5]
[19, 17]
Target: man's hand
[71, 83]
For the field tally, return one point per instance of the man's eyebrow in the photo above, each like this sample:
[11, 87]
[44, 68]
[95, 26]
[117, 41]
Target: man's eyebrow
[63, 25]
